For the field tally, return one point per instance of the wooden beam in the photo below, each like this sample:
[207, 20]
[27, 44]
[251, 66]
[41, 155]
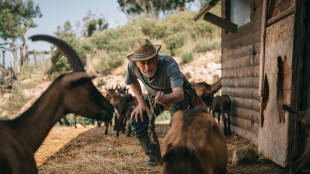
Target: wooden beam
[205, 9]
[227, 25]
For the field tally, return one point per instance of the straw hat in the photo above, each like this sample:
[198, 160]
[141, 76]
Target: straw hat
[143, 50]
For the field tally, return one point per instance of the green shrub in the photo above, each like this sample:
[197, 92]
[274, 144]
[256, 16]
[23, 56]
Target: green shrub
[163, 116]
[110, 61]
[206, 46]
[16, 101]
[5, 117]
[174, 42]
[187, 57]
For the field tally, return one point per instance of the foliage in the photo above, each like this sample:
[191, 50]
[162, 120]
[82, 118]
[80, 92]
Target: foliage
[163, 116]
[205, 45]
[16, 17]
[151, 8]
[93, 24]
[187, 57]
[110, 47]
[5, 117]
[15, 102]
[60, 63]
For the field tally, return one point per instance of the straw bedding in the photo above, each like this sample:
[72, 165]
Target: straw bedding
[88, 150]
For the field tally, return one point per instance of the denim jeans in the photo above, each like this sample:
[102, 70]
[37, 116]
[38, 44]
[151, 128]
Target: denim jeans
[140, 129]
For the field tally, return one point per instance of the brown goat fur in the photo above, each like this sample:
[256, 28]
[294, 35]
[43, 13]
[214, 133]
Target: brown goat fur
[222, 105]
[21, 137]
[203, 90]
[120, 107]
[304, 116]
[206, 92]
[194, 144]
[123, 104]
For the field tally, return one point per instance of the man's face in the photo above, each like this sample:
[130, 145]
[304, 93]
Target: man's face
[148, 67]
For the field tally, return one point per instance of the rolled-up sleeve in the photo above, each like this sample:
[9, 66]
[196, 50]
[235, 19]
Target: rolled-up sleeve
[175, 75]
[130, 76]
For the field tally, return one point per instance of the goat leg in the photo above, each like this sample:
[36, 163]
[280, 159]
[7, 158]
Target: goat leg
[74, 121]
[81, 120]
[66, 121]
[129, 130]
[124, 126]
[117, 126]
[228, 119]
[99, 123]
[225, 123]
[115, 122]
[107, 127]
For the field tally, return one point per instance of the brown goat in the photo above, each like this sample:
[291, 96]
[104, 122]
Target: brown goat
[304, 116]
[195, 144]
[123, 106]
[74, 92]
[21, 137]
[206, 91]
[120, 107]
[222, 105]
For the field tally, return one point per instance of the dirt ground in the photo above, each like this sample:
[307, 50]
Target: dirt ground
[88, 150]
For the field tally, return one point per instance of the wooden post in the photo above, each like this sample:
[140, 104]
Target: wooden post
[35, 56]
[227, 25]
[88, 58]
[262, 49]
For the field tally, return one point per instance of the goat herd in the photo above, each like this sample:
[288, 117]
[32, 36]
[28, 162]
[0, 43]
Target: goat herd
[194, 144]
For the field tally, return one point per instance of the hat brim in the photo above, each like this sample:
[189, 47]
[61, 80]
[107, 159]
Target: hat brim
[132, 57]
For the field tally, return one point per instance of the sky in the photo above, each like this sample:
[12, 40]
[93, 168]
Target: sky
[57, 12]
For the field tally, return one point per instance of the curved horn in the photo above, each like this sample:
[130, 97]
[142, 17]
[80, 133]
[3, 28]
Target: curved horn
[72, 56]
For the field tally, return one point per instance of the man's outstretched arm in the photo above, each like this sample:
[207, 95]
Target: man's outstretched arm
[177, 95]
[142, 107]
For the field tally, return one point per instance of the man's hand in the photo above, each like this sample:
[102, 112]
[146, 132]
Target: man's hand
[160, 97]
[139, 110]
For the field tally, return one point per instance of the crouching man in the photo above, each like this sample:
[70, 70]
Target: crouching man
[165, 85]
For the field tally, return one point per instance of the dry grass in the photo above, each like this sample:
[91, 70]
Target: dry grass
[90, 151]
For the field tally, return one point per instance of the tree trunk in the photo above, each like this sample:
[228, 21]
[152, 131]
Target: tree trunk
[143, 5]
[14, 51]
[153, 10]
[26, 52]
[21, 60]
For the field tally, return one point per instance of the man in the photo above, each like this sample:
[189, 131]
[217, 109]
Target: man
[162, 78]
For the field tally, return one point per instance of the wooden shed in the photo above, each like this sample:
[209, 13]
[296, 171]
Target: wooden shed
[265, 55]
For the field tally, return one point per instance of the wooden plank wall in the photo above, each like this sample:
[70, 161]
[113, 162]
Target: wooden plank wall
[240, 75]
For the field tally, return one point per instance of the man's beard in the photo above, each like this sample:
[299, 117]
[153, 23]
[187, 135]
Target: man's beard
[149, 73]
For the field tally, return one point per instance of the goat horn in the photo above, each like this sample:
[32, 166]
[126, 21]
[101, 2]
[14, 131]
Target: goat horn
[72, 56]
